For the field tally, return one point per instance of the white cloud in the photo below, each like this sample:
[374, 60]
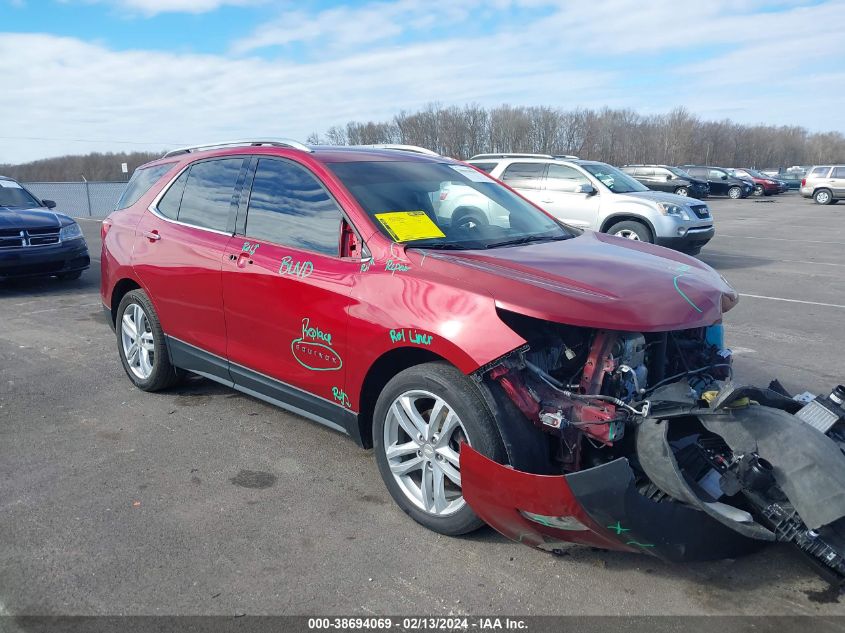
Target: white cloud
[774, 67]
[150, 8]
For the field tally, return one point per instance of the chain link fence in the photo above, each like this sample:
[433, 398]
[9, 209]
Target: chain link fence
[80, 199]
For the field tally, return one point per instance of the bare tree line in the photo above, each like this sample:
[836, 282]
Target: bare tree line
[614, 136]
[95, 166]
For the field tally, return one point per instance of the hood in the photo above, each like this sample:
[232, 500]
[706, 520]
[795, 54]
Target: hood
[597, 281]
[14, 218]
[660, 196]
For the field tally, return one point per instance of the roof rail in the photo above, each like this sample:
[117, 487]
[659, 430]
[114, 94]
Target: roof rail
[520, 155]
[402, 148]
[273, 142]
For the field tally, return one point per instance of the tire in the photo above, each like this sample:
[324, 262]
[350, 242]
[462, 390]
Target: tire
[682, 191]
[419, 390]
[76, 274]
[759, 191]
[632, 230]
[735, 193]
[468, 216]
[823, 196]
[153, 370]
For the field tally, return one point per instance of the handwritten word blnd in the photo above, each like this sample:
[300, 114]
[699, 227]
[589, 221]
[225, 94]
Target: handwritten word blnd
[299, 269]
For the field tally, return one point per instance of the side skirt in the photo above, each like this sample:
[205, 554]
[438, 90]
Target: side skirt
[270, 390]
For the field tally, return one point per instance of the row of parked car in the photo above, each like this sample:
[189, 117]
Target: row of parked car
[701, 181]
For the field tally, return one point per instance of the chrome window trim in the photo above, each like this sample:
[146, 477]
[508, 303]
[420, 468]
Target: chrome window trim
[153, 206]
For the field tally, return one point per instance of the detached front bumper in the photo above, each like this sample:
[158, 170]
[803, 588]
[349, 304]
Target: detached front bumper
[36, 261]
[599, 506]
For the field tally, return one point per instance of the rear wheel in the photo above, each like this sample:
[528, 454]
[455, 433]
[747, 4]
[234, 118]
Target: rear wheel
[631, 230]
[468, 218]
[421, 418]
[141, 344]
[823, 196]
[735, 193]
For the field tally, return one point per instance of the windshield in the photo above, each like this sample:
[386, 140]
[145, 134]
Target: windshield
[681, 173]
[613, 179]
[13, 195]
[444, 205]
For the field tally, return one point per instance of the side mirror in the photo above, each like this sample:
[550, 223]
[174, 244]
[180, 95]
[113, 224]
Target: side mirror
[670, 177]
[49, 204]
[724, 176]
[589, 190]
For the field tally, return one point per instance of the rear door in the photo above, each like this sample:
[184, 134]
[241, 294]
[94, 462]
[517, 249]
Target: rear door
[527, 179]
[178, 254]
[561, 196]
[837, 182]
[286, 290]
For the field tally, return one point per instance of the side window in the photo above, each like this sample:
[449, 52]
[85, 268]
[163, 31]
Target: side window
[645, 172]
[168, 206]
[524, 175]
[289, 206]
[838, 172]
[140, 183]
[716, 174]
[661, 173]
[207, 200]
[819, 172]
[488, 167]
[698, 172]
[564, 178]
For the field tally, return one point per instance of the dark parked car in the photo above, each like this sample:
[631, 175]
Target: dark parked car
[720, 181]
[670, 179]
[763, 185]
[35, 241]
[791, 176]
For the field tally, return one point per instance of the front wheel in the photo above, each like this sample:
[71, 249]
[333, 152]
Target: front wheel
[421, 418]
[682, 191]
[631, 230]
[735, 193]
[758, 190]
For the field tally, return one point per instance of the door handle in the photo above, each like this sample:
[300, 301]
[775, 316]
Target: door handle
[153, 236]
[546, 201]
[242, 259]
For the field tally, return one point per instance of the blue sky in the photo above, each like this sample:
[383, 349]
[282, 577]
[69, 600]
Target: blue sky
[84, 75]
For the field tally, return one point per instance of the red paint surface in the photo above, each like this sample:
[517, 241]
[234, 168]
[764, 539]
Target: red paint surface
[496, 493]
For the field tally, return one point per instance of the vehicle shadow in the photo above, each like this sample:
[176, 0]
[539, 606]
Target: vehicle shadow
[728, 261]
[42, 286]
[771, 566]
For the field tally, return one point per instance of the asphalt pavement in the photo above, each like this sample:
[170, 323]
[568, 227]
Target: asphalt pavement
[201, 500]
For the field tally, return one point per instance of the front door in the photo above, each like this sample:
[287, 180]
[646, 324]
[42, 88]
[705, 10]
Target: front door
[562, 196]
[719, 183]
[286, 292]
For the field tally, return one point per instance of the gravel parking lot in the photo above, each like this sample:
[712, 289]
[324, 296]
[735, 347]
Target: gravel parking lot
[205, 501]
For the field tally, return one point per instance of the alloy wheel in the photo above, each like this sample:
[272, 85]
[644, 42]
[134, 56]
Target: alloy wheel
[822, 197]
[628, 234]
[137, 339]
[422, 437]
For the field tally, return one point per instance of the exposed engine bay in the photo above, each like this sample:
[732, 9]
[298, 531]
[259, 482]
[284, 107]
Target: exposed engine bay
[650, 439]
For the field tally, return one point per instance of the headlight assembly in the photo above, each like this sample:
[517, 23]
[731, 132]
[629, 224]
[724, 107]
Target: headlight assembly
[70, 232]
[673, 209]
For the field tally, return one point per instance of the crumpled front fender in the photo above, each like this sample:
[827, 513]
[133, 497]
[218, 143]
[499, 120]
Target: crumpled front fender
[599, 506]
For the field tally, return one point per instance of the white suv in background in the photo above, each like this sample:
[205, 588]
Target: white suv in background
[590, 195]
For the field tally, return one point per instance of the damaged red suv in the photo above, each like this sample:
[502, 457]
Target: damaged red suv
[560, 385]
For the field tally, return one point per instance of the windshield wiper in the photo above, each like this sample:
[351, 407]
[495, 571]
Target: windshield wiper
[440, 245]
[528, 239]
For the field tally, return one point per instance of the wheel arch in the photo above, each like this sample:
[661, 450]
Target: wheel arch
[623, 217]
[380, 372]
[120, 289]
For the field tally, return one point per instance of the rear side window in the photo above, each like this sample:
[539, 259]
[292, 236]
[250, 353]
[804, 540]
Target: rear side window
[488, 167]
[289, 206]
[140, 183]
[524, 175]
[819, 172]
[838, 172]
[207, 199]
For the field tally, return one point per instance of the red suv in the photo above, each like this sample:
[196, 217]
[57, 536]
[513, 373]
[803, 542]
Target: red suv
[560, 385]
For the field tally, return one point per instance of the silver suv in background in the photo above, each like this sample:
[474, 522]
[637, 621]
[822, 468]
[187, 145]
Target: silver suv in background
[594, 195]
[824, 183]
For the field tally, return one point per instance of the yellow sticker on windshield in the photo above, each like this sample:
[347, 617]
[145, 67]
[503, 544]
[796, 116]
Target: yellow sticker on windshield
[406, 226]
